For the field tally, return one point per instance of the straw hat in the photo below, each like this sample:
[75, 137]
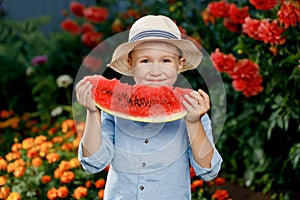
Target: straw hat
[155, 28]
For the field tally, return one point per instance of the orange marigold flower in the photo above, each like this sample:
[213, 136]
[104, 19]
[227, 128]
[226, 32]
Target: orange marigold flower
[6, 113]
[101, 194]
[12, 122]
[220, 195]
[76, 142]
[4, 192]
[80, 192]
[37, 162]
[52, 193]
[14, 196]
[67, 177]
[19, 162]
[52, 157]
[40, 139]
[58, 172]
[11, 167]
[52, 131]
[46, 146]
[31, 153]
[16, 147]
[88, 183]
[117, 26]
[208, 17]
[57, 139]
[67, 125]
[3, 164]
[46, 179]
[64, 165]
[74, 162]
[67, 147]
[196, 184]
[12, 156]
[27, 143]
[62, 192]
[2, 180]
[100, 183]
[19, 171]
[219, 181]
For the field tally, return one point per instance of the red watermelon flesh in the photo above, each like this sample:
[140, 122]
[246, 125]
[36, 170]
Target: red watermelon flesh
[138, 102]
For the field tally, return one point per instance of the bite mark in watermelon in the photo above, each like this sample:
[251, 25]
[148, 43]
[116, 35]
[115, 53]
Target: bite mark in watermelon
[138, 102]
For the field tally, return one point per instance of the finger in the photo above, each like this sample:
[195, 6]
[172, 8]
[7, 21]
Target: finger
[205, 96]
[191, 99]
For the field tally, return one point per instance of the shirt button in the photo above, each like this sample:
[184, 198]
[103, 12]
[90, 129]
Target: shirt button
[141, 187]
[143, 164]
[146, 141]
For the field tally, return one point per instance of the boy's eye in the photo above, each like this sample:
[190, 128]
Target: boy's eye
[145, 61]
[166, 60]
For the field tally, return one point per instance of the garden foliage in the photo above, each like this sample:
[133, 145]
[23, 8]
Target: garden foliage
[254, 44]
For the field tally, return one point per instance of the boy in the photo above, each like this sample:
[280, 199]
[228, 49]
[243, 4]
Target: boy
[150, 160]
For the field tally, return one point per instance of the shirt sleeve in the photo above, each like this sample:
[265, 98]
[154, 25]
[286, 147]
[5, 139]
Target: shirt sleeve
[207, 174]
[103, 156]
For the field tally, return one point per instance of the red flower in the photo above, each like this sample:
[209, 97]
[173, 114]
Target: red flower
[238, 15]
[219, 181]
[93, 63]
[245, 68]
[219, 9]
[220, 195]
[91, 39]
[270, 32]
[196, 184]
[95, 15]
[70, 26]
[250, 28]
[76, 8]
[264, 4]
[131, 13]
[192, 172]
[87, 27]
[253, 86]
[223, 62]
[289, 14]
[231, 25]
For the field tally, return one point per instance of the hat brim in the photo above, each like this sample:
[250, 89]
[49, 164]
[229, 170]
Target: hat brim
[190, 52]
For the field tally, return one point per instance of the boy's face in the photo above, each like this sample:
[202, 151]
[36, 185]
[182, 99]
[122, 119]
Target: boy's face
[155, 63]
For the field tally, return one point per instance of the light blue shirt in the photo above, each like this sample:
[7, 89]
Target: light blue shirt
[148, 161]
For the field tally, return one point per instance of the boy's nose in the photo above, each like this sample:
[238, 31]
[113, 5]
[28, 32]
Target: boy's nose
[155, 70]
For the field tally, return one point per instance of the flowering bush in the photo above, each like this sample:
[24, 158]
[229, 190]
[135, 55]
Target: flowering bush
[44, 165]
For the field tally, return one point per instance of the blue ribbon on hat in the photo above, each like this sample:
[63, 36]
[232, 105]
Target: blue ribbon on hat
[153, 33]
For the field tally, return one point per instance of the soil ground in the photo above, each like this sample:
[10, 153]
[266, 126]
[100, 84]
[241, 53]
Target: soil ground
[240, 193]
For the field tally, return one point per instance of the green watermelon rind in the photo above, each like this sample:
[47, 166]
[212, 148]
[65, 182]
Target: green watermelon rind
[156, 119]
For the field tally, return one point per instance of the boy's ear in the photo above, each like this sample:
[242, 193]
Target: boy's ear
[180, 64]
[129, 61]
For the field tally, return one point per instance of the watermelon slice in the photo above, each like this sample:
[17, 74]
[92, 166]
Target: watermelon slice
[143, 103]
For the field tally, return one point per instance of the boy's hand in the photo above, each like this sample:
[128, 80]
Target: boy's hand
[196, 104]
[84, 95]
